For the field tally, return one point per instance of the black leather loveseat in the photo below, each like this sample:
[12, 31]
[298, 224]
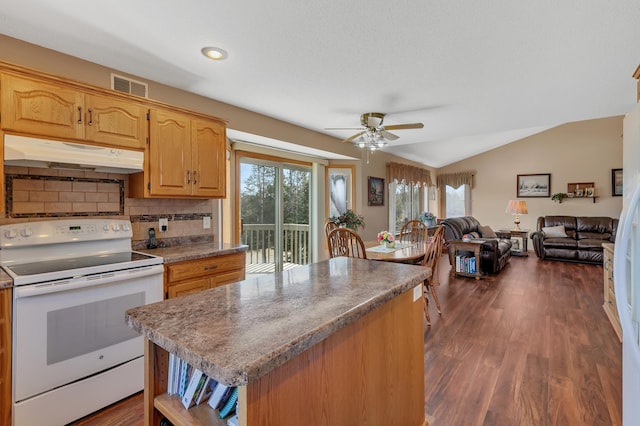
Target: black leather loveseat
[573, 238]
[494, 252]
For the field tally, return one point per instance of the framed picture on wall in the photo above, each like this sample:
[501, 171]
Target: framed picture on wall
[538, 185]
[375, 193]
[616, 182]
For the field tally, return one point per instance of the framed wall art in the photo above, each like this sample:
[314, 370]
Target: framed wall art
[538, 185]
[375, 193]
[616, 182]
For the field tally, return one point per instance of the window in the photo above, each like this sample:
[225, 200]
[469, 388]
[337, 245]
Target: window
[405, 203]
[457, 201]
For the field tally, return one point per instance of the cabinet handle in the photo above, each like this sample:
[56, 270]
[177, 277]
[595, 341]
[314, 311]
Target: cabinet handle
[79, 115]
[208, 268]
[188, 177]
[194, 177]
[90, 123]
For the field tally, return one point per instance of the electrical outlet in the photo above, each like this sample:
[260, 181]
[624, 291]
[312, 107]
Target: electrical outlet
[163, 224]
[206, 222]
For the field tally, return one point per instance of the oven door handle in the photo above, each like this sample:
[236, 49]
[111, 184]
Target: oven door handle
[85, 281]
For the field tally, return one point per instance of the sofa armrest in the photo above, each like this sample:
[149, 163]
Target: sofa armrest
[537, 238]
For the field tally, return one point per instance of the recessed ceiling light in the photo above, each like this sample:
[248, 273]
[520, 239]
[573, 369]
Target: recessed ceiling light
[214, 53]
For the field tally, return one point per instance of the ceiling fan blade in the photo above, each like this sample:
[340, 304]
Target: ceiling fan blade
[353, 137]
[343, 128]
[388, 135]
[404, 126]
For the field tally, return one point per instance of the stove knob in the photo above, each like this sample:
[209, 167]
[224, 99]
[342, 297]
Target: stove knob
[126, 227]
[10, 233]
[26, 232]
[116, 227]
[105, 228]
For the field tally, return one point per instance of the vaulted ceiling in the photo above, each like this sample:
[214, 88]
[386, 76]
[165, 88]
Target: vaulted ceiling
[477, 74]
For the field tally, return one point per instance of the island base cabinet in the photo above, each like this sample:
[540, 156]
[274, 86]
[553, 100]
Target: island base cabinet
[369, 372]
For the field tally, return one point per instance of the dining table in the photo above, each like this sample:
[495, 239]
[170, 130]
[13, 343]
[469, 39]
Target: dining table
[403, 252]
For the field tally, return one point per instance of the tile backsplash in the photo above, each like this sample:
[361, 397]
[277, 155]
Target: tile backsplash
[36, 193]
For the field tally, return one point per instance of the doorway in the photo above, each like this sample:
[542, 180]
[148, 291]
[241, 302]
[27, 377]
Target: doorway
[274, 211]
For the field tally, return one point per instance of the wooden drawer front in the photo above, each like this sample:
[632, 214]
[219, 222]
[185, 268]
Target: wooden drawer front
[227, 278]
[611, 296]
[207, 266]
[188, 287]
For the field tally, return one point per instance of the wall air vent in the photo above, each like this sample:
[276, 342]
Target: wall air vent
[127, 85]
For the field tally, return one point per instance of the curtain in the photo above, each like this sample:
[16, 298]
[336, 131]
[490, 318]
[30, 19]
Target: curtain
[409, 174]
[454, 180]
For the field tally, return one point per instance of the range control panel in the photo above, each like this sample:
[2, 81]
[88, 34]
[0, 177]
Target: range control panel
[62, 231]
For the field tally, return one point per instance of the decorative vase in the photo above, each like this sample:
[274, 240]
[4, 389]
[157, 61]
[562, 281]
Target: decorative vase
[390, 244]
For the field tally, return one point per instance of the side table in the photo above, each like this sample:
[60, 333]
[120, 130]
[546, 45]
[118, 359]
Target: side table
[519, 240]
[466, 266]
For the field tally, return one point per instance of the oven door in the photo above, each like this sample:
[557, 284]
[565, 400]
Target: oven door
[70, 329]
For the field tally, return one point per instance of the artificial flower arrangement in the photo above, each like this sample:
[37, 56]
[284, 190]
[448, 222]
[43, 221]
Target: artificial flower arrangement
[348, 219]
[387, 238]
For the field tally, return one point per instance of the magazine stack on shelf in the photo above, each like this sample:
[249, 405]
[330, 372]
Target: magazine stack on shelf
[193, 387]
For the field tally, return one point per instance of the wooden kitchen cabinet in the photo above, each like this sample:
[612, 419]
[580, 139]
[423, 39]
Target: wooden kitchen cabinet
[192, 276]
[186, 157]
[51, 110]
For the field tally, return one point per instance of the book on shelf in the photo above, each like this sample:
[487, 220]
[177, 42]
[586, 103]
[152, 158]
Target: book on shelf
[206, 391]
[196, 382]
[229, 406]
[233, 421]
[217, 395]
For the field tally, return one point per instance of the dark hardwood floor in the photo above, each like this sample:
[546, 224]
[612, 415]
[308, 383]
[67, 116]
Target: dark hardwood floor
[530, 346]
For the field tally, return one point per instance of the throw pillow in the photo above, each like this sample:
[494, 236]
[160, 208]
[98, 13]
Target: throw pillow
[554, 231]
[487, 232]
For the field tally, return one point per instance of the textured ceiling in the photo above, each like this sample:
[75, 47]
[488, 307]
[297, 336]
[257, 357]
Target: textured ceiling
[477, 74]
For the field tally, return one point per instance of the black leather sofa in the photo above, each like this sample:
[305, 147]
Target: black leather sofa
[582, 241]
[494, 252]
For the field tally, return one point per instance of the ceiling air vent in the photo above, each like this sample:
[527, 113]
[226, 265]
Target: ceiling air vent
[127, 85]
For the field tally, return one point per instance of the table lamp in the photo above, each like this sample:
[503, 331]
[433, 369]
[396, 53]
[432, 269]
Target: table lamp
[517, 207]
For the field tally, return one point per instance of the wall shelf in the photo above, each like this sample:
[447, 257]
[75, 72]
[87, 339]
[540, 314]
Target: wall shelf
[580, 198]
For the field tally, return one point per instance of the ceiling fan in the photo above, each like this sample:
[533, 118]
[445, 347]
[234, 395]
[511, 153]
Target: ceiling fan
[374, 132]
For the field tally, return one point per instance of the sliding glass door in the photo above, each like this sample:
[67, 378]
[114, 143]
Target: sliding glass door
[274, 213]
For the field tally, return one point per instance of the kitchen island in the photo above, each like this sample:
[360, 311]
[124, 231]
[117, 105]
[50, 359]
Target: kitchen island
[334, 342]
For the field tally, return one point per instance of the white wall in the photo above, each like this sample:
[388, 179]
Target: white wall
[583, 151]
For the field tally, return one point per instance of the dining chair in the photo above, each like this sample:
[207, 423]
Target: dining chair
[328, 227]
[345, 242]
[432, 259]
[413, 231]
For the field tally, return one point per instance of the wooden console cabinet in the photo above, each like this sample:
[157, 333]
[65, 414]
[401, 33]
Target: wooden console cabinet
[519, 235]
[192, 276]
[610, 307]
[473, 246]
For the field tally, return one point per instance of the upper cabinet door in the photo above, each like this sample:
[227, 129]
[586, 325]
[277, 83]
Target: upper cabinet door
[41, 109]
[208, 158]
[115, 122]
[169, 153]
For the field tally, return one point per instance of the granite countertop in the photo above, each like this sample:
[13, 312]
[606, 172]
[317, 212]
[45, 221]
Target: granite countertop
[5, 280]
[194, 251]
[239, 332]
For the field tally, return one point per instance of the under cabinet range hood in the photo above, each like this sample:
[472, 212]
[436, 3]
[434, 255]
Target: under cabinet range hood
[34, 152]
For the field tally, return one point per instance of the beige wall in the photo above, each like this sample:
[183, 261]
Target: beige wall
[45, 60]
[584, 151]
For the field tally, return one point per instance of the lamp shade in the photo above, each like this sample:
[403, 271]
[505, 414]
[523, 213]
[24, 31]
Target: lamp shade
[517, 207]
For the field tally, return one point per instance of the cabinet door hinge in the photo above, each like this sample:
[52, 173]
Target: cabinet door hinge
[148, 116]
[147, 140]
[149, 186]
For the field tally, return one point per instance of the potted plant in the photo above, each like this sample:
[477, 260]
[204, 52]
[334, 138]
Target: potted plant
[349, 219]
[558, 197]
